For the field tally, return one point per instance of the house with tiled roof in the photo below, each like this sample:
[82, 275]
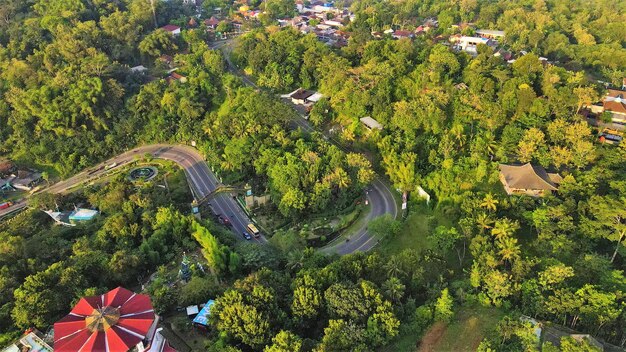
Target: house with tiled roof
[175, 77]
[212, 22]
[615, 103]
[399, 34]
[171, 29]
[528, 179]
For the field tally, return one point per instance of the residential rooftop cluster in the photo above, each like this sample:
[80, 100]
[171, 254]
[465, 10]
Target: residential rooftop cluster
[14, 178]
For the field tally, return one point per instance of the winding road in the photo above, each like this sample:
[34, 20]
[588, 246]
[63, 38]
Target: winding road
[200, 178]
[203, 182]
[380, 196]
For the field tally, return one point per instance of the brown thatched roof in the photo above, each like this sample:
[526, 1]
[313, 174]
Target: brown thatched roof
[527, 176]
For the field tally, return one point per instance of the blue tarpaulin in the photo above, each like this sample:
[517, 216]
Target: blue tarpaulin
[203, 317]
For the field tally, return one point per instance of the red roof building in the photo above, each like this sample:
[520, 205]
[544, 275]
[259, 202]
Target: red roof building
[212, 22]
[402, 34]
[113, 322]
[615, 103]
[172, 29]
[173, 77]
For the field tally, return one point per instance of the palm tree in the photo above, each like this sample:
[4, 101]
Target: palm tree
[487, 143]
[504, 228]
[394, 267]
[509, 249]
[295, 260]
[484, 222]
[394, 289]
[489, 202]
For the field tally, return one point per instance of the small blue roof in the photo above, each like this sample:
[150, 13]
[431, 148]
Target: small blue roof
[203, 316]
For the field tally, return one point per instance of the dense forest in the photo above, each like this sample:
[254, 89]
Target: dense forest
[553, 258]
[68, 99]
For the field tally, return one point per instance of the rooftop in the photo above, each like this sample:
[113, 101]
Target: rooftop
[83, 214]
[490, 32]
[527, 176]
[212, 21]
[371, 123]
[203, 317]
[170, 27]
[30, 342]
[615, 101]
[315, 97]
[473, 39]
[301, 94]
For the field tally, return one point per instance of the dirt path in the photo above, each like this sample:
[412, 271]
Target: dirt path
[432, 336]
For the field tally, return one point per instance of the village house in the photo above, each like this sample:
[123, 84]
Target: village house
[402, 34]
[370, 123]
[171, 29]
[300, 96]
[175, 77]
[532, 180]
[470, 44]
[615, 103]
[212, 22]
[138, 69]
[26, 180]
[490, 33]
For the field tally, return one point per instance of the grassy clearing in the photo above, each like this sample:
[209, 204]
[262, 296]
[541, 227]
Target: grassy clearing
[414, 234]
[415, 230]
[464, 333]
[403, 343]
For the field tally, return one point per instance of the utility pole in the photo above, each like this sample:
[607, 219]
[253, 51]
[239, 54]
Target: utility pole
[153, 14]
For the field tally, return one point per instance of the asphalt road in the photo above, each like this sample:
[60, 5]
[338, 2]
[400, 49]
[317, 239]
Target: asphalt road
[200, 178]
[381, 202]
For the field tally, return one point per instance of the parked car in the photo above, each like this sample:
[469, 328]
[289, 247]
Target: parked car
[223, 220]
[247, 236]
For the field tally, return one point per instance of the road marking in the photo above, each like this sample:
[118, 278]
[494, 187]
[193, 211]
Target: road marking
[366, 242]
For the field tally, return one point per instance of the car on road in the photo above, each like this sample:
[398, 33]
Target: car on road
[247, 236]
[5, 205]
[223, 220]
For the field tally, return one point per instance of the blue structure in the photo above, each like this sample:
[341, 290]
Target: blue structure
[203, 316]
[81, 214]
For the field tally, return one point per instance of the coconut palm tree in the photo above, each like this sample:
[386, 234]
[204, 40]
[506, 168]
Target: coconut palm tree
[504, 228]
[489, 202]
[394, 267]
[394, 289]
[295, 260]
[484, 222]
[509, 249]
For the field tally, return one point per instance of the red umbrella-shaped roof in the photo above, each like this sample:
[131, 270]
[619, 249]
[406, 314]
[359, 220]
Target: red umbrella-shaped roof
[113, 322]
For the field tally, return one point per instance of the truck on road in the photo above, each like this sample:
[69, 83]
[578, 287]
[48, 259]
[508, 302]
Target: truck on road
[254, 231]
